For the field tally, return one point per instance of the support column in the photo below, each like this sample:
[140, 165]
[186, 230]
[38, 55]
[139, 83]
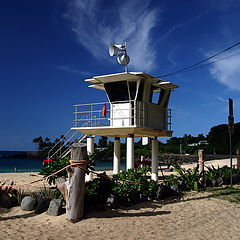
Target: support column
[130, 151]
[90, 149]
[116, 156]
[155, 153]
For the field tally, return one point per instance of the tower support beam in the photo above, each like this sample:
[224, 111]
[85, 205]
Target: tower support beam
[130, 151]
[116, 156]
[155, 153]
[90, 150]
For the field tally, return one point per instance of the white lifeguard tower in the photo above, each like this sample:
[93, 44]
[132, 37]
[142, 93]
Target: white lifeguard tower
[137, 107]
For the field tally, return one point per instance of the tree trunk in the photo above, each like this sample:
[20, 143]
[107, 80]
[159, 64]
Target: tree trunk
[73, 188]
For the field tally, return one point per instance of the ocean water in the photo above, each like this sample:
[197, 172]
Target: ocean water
[35, 164]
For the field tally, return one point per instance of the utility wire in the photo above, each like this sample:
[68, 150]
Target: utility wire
[207, 64]
[198, 63]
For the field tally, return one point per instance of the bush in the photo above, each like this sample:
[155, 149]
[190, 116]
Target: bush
[98, 190]
[217, 176]
[61, 163]
[134, 179]
[187, 179]
[54, 167]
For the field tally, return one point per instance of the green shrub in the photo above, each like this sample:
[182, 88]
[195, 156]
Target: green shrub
[98, 190]
[134, 179]
[213, 175]
[61, 163]
[187, 179]
[54, 167]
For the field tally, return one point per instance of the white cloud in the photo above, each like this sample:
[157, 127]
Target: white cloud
[97, 25]
[183, 24]
[227, 71]
[222, 99]
[67, 68]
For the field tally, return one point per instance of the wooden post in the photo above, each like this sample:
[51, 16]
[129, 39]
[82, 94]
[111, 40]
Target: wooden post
[201, 160]
[73, 188]
[238, 159]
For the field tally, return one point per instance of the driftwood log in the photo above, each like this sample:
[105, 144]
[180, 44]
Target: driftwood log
[73, 188]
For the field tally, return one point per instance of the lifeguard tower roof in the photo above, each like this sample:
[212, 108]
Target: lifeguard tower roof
[98, 81]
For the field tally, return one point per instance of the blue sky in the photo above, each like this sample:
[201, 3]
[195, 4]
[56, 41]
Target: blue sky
[49, 47]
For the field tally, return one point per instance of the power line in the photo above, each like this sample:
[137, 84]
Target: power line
[207, 64]
[198, 63]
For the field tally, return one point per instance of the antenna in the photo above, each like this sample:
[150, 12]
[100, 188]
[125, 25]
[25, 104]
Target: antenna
[120, 51]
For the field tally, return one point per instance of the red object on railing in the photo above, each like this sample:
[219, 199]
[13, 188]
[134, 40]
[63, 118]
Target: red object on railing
[47, 161]
[144, 162]
[104, 110]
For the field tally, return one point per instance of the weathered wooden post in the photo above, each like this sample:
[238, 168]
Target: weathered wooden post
[201, 164]
[238, 158]
[201, 160]
[73, 188]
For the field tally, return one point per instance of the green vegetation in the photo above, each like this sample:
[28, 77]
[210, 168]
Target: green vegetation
[134, 179]
[187, 179]
[230, 194]
[54, 167]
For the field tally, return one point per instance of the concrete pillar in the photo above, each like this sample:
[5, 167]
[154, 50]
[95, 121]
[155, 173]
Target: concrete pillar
[130, 151]
[155, 153]
[116, 156]
[90, 149]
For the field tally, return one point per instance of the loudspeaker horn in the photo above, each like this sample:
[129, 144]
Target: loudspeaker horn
[114, 49]
[123, 59]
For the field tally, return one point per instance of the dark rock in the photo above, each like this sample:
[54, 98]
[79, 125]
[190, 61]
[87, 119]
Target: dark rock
[55, 207]
[28, 203]
[209, 183]
[218, 182]
[125, 201]
[5, 200]
[134, 196]
[143, 197]
[175, 190]
[42, 206]
[14, 202]
[99, 207]
[164, 191]
[112, 202]
[235, 179]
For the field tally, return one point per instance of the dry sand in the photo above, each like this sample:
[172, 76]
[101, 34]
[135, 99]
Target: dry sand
[194, 216]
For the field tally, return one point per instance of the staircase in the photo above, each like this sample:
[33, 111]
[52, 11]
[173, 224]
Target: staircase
[70, 137]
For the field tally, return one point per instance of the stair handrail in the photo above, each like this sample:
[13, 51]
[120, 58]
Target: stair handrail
[59, 141]
[74, 134]
[67, 151]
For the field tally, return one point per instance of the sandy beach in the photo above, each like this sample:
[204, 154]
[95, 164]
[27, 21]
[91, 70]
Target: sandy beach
[194, 216]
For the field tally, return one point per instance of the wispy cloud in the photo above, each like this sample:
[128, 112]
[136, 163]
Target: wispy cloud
[170, 57]
[222, 99]
[227, 71]
[67, 68]
[98, 23]
[183, 24]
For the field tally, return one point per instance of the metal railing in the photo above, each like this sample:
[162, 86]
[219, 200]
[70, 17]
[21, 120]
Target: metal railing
[62, 147]
[120, 113]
